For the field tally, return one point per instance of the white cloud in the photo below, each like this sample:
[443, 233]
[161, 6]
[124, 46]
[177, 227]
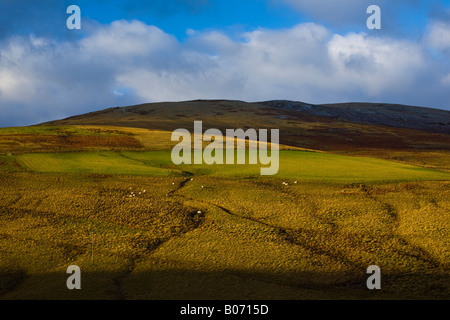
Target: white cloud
[439, 36]
[128, 39]
[14, 79]
[375, 65]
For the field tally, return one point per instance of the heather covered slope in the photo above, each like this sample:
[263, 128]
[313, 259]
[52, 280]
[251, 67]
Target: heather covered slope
[392, 115]
[328, 127]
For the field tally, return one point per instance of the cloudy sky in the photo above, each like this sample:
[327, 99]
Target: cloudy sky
[130, 52]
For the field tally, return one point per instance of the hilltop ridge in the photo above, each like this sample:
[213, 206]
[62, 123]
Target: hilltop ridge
[328, 127]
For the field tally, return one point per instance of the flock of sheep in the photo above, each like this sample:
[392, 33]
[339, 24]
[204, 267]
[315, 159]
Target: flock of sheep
[132, 194]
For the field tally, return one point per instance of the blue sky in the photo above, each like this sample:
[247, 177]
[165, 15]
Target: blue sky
[130, 52]
[231, 16]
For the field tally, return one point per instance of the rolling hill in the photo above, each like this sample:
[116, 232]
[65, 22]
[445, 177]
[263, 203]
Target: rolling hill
[324, 127]
[415, 135]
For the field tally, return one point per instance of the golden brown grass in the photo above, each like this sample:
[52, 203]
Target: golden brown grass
[231, 239]
[59, 139]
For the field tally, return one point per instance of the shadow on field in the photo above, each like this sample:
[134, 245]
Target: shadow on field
[227, 285]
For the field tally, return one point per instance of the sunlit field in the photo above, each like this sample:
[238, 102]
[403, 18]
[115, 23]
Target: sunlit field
[293, 165]
[140, 227]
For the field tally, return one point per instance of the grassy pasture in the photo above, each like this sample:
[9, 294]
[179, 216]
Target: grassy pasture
[231, 239]
[88, 162]
[293, 165]
[228, 233]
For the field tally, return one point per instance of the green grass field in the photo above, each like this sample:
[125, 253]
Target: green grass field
[298, 165]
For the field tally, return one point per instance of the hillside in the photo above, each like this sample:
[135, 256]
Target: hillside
[101, 191]
[415, 135]
[392, 115]
[351, 125]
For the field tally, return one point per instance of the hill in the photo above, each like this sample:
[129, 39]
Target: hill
[415, 135]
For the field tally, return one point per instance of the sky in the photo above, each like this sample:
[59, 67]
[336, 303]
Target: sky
[132, 52]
